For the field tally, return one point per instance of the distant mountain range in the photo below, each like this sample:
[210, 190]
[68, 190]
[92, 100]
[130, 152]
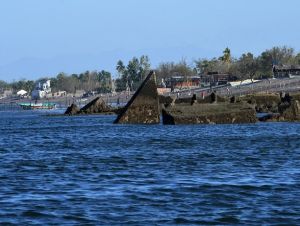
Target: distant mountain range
[34, 68]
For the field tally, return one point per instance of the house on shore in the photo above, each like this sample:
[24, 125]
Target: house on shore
[41, 90]
[286, 71]
[182, 82]
[215, 78]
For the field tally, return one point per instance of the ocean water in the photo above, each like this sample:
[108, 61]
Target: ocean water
[87, 171]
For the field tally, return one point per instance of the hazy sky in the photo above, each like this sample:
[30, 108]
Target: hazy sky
[44, 37]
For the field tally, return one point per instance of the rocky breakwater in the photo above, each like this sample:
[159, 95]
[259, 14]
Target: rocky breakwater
[143, 107]
[208, 113]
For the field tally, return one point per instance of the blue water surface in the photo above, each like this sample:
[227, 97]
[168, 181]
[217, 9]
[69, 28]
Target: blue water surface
[84, 170]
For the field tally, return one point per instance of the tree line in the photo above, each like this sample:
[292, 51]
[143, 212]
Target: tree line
[247, 66]
[89, 81]
[130, 75]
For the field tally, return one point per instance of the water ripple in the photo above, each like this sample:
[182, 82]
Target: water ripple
[85, 170]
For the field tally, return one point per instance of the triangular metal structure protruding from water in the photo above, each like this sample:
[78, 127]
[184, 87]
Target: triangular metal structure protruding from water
[143, 107]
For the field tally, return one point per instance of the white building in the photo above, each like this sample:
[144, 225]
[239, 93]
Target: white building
[41, 90]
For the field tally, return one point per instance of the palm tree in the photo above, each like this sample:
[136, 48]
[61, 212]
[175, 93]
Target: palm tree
[226, 58]
[120, 67]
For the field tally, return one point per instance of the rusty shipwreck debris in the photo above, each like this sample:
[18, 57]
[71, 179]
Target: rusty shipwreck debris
[72, 110]
[288, 108]
[143, 107]
[96, 106]
[264, 103]
[292, 113]
[215, 113]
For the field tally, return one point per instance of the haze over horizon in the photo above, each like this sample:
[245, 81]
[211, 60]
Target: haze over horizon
[43, 38]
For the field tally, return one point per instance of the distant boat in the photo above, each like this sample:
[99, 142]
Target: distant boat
[35, 106]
